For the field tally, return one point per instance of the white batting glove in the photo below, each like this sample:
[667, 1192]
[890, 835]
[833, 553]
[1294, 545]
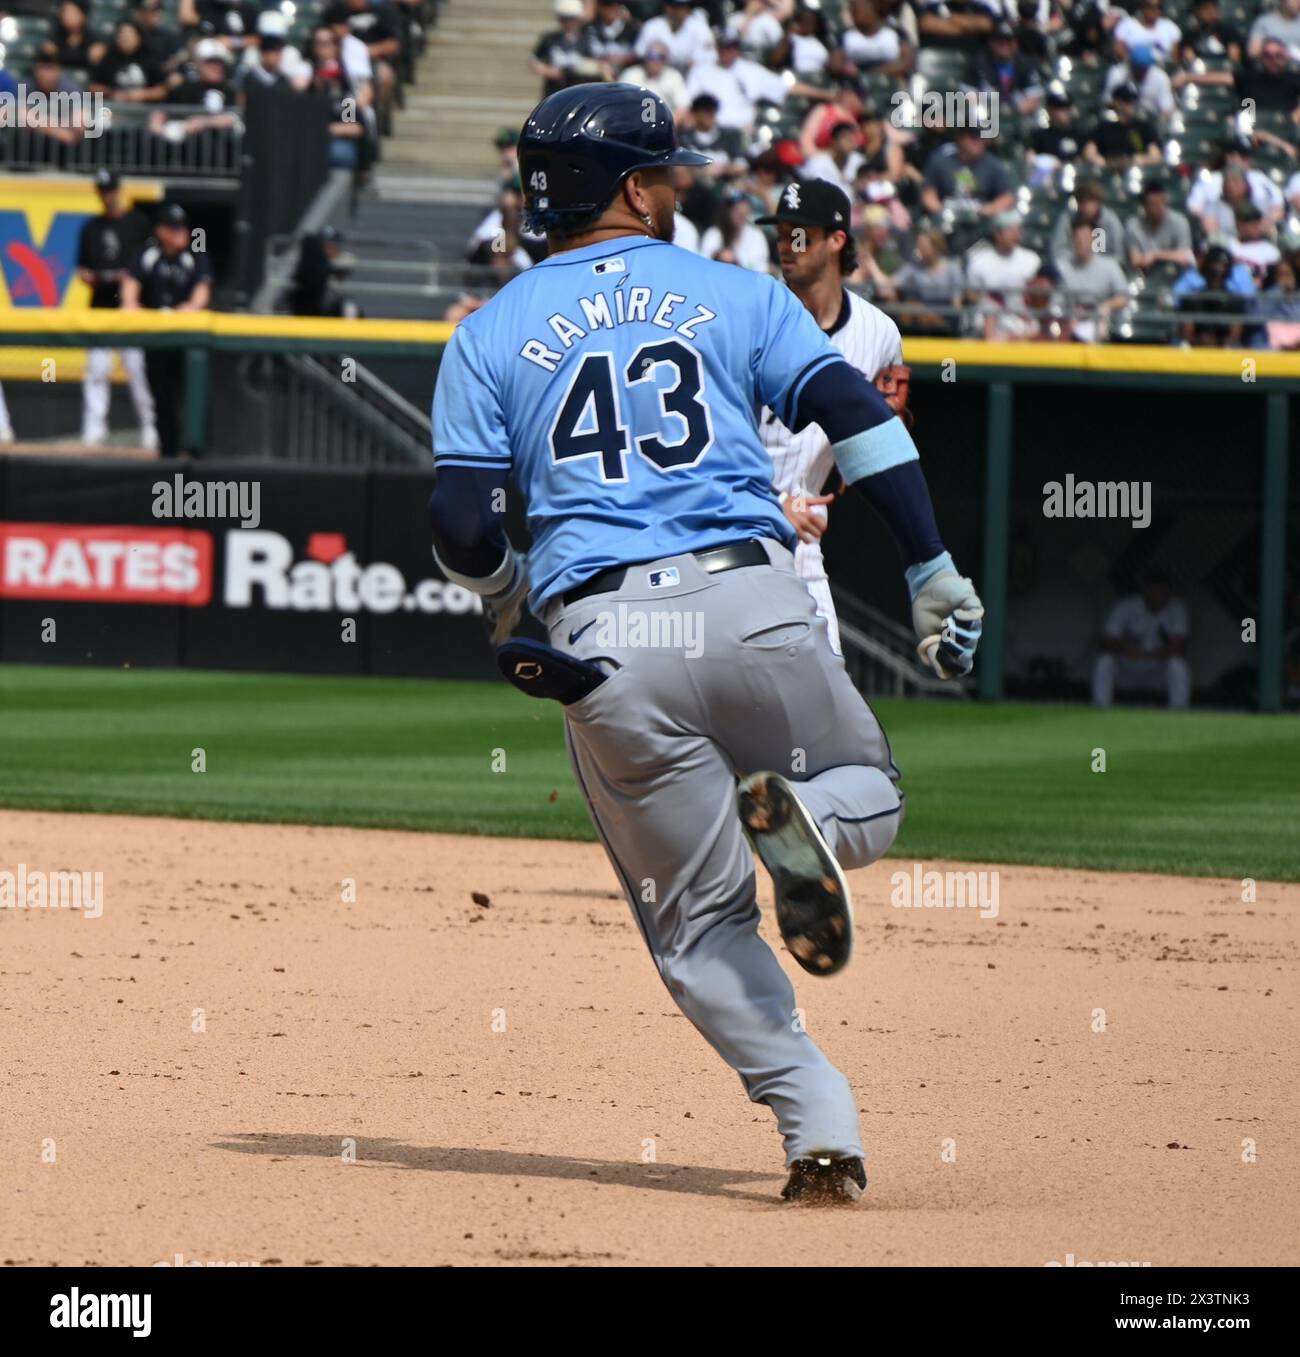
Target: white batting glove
[947, 616]
[502, 610]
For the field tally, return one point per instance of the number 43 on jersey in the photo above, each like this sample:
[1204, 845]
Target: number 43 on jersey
[590, 419]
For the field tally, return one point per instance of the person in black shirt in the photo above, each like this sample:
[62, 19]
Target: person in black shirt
[109, 244]
[1001, 69]
[704, 134]
[267, 71]
[957, 25]
[1271, 82]
[208, 88]
[125, 72]
[1085, 37]
[1126, 138]
[209, 85]
[321, 260]
[1209, 36]
[612, 34]
[563, 56]
[193, 14]
[1062, 138]
[168, 276]
[161, 46]
[1030, 35]
[77, 49]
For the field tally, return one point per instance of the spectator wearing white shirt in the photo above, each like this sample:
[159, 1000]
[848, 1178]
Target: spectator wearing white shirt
[1252, 246]
[804, 47]
[655, 74]
[1282, 24]
[840, 162]
[684, 32]
[734, 239]
[500, 239]
[1147, 27]
[1219, 217]
[873, 44]
[999, 269]
[737, 84]
[760, 26]
[1264, 193]
[1154, 88]
[1144, 646]
[354, 55]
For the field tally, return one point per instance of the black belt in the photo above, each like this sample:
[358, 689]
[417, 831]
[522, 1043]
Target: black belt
[713, 561]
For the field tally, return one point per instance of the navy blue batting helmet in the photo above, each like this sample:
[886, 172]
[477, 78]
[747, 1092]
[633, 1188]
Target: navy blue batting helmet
[580, 143]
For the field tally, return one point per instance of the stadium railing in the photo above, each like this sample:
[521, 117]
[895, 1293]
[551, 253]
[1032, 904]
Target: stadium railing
[123, 139]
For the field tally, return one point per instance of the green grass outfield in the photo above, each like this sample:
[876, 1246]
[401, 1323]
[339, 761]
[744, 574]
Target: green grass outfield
[1191, 793]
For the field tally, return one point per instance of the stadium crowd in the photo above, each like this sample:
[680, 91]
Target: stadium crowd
[176, 73]
[1029, 169]
[160, 89]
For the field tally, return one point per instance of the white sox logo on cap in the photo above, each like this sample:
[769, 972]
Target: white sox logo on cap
[792, 197]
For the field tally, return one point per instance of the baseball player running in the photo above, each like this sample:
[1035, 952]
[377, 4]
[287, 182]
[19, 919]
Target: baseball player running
[618, 383]
[816, 249]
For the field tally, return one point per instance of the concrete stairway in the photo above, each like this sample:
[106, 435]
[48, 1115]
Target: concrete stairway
[408, 236]
[472, 80]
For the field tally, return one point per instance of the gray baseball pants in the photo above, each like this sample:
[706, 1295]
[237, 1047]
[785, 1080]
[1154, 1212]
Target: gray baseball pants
[714, 677]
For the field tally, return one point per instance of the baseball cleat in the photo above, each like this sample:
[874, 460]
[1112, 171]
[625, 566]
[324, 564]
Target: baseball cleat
[813, 910]
[825, 1180]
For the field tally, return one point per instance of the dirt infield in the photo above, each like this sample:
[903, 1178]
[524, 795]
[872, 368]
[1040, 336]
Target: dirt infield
[520, 1088]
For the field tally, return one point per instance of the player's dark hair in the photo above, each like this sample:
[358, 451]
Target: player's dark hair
[849, 255]
[561, 225]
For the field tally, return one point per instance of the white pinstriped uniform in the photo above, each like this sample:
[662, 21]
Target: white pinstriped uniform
[801, 462]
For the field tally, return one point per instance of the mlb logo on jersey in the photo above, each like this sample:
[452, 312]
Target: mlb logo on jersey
[609, 266]
[663, 579]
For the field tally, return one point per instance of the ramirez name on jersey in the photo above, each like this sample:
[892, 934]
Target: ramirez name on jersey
[630, 306]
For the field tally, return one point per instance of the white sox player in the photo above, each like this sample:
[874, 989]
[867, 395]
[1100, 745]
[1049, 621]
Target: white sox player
[816, 249]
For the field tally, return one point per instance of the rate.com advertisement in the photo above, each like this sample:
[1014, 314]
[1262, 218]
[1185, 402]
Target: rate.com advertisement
[228, 566]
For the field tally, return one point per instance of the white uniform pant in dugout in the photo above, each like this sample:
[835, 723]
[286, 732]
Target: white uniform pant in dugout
[96, 393]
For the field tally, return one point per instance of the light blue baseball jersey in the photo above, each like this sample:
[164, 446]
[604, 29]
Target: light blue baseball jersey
[620, 385]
